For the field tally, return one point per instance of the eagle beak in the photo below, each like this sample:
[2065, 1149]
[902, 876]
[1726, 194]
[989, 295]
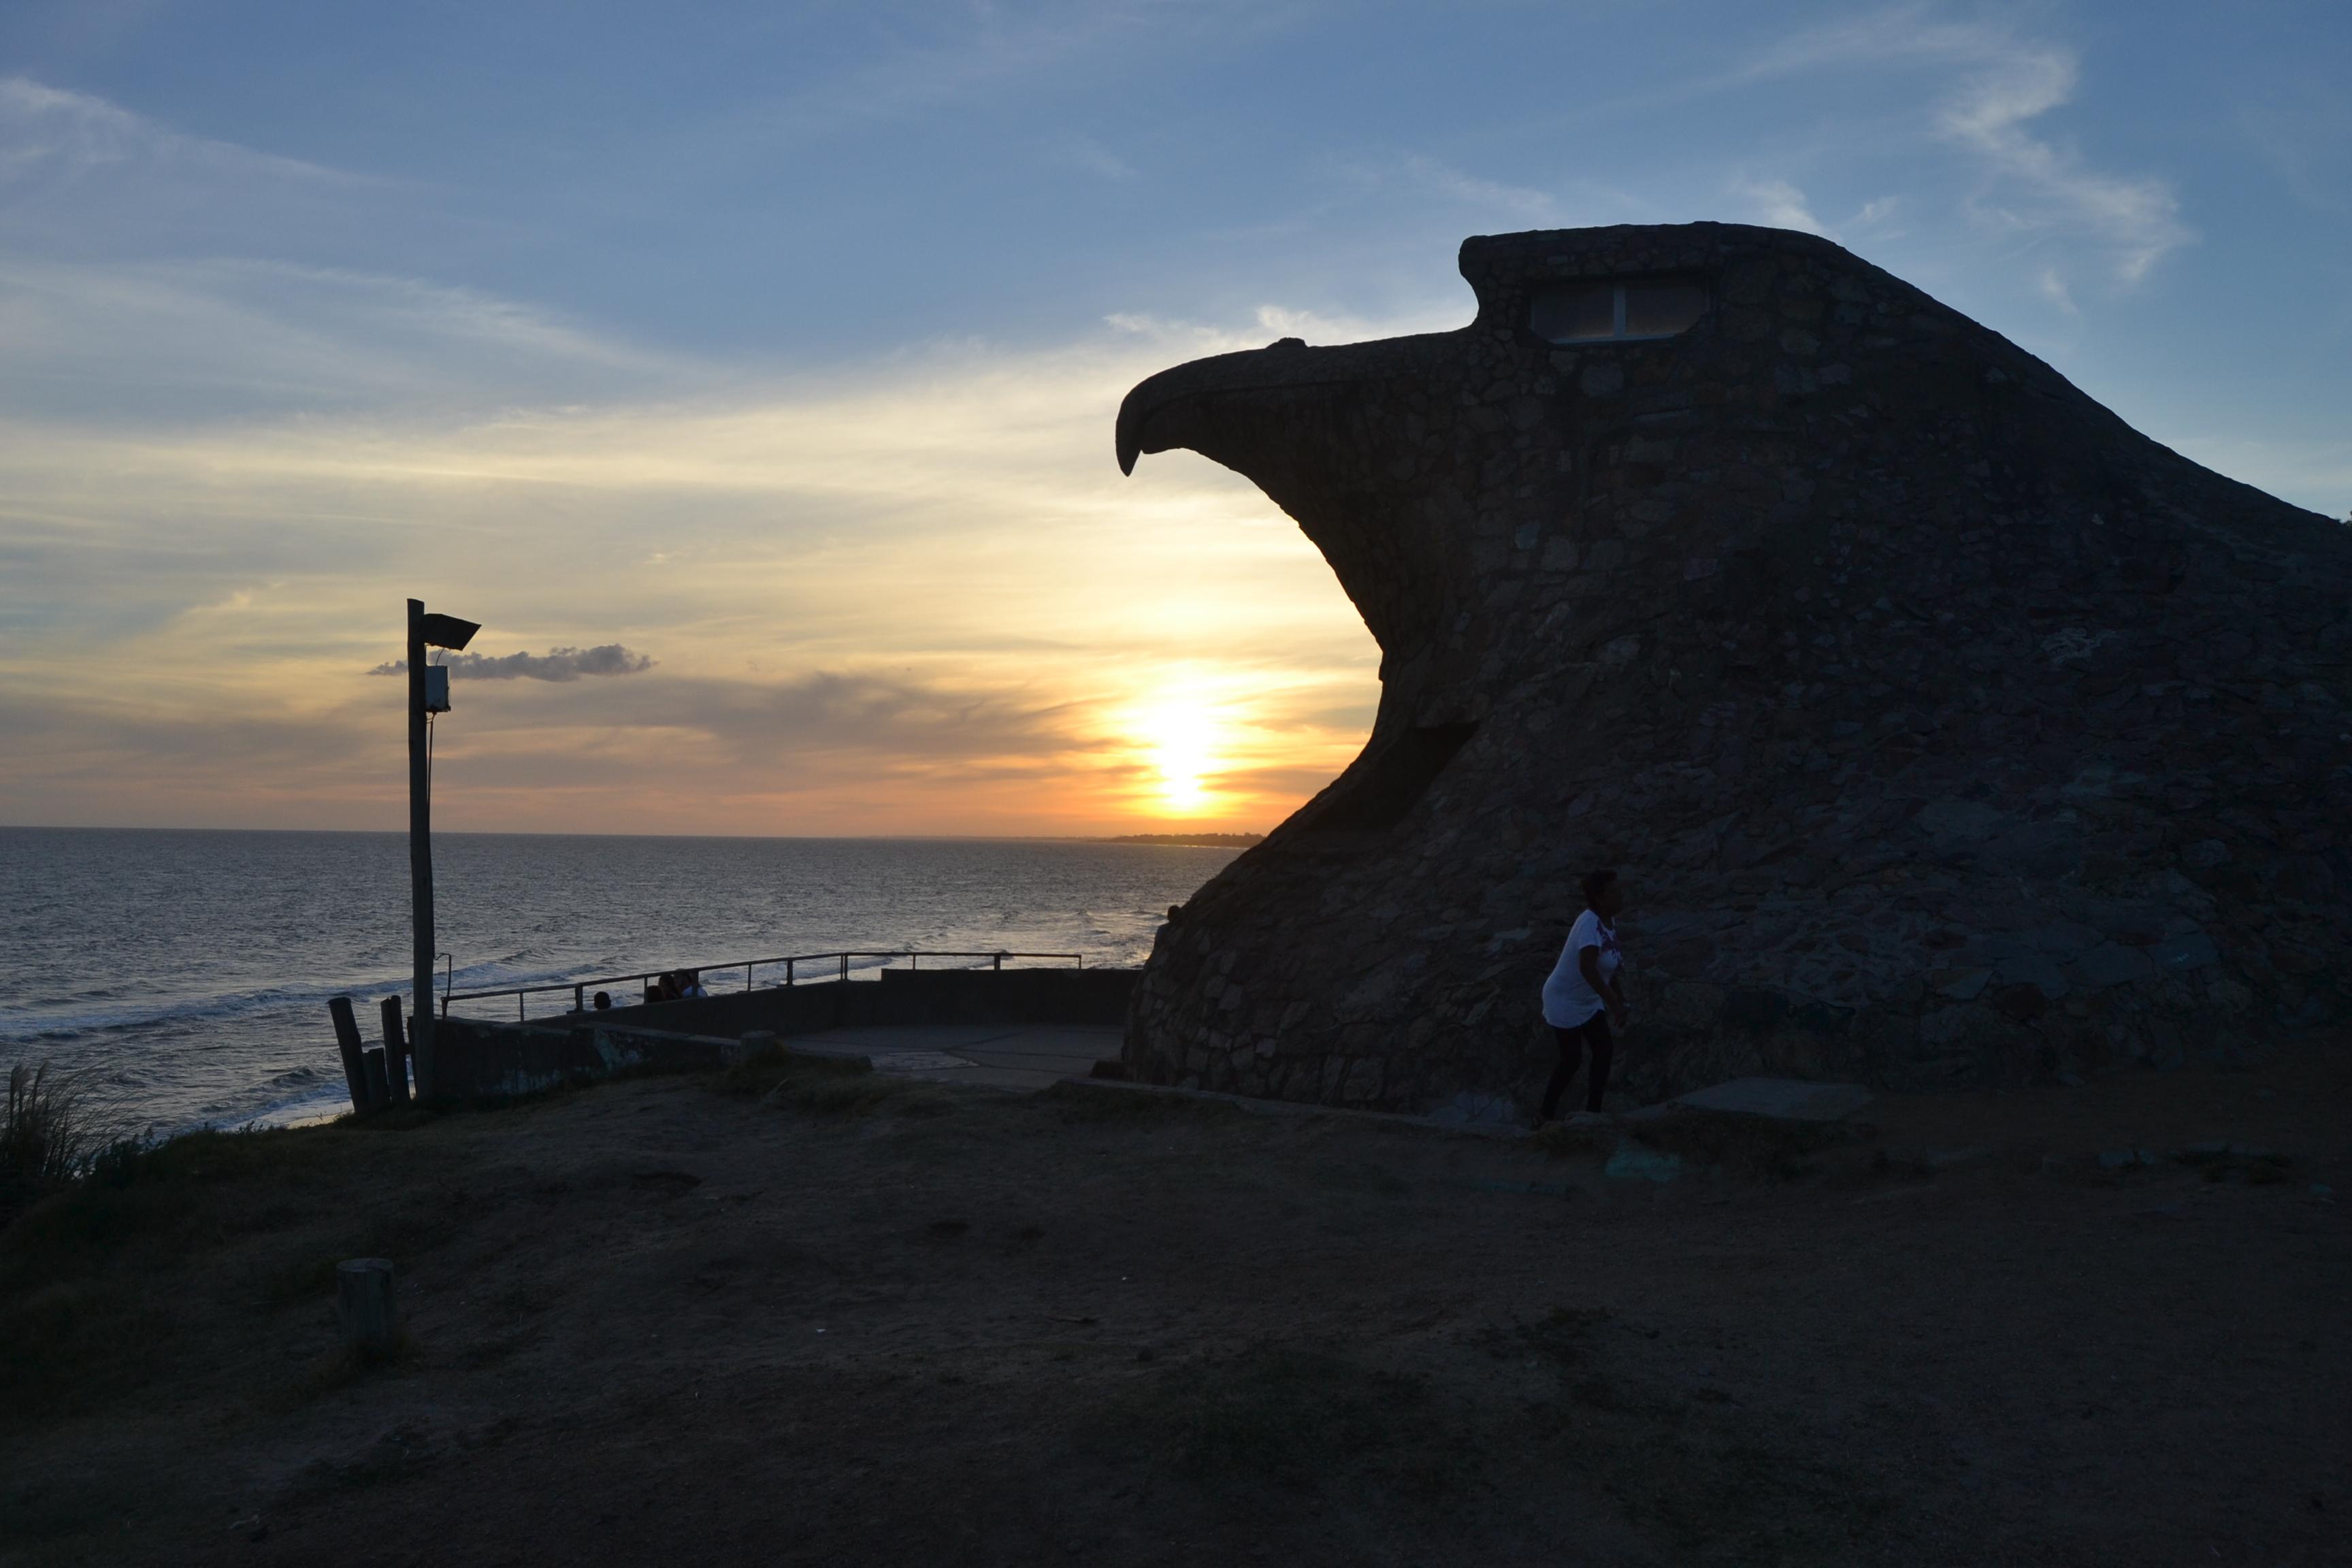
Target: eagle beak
[1175, 408]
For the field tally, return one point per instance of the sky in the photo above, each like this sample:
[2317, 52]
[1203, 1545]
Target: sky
[749, 369]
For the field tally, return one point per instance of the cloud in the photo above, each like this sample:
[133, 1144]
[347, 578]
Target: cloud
[914, 597]
[2026, 186]
[967, 55]
[208, 339]
[1876, 217]
[2052, 284]
[130, 289]
[873, 750]
[1197, 339]
[841, 751]
[50, 134]
[555, 664]
[1522, 202]
[1779, 204]
[1092, 157]
[80, 176]
[2036, 186]
[882, 720]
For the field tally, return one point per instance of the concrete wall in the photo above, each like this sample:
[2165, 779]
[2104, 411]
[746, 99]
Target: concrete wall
[485, 1059]
[898, 996]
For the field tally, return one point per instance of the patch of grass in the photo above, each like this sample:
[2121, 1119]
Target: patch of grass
[70, 1330]
[48, 1129]
[71, 1231]
[829, 1086]
[309, 1277]
[395, 1119]
[81, 1320]
[51, 1130]
[829, 1094]
[63, 1341]
[129, 1190]
[307, 1273]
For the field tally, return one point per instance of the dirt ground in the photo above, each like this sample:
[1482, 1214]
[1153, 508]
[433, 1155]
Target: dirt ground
[796, 1315]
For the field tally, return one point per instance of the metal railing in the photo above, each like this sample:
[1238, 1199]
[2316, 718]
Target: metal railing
[791, 963]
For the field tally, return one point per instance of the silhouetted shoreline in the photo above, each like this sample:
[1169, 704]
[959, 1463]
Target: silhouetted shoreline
[1205, 840]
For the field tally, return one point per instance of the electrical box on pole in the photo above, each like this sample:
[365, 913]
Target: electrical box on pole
[437, 689]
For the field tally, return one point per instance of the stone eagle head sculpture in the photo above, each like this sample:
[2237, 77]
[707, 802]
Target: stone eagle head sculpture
[1946, 730]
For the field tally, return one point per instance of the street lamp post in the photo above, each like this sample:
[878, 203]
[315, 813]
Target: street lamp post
[424, 631]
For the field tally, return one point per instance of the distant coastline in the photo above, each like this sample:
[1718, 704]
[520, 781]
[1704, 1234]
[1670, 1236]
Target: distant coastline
[1206, 840]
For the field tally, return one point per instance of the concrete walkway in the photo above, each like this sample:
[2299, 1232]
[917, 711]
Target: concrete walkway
[1023, 1057]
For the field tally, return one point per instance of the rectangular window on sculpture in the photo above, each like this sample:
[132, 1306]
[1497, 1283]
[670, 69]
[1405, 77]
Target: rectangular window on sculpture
[1663, 309]
[1577, 315]
[1617, 313]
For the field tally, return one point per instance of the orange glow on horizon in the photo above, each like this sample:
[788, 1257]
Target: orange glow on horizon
[1183, 740]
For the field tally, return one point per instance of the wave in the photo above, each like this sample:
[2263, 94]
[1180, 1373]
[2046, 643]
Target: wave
[67, 1022]
[18, 1029]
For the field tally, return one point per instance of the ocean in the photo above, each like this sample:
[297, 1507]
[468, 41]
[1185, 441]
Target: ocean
[185, 974]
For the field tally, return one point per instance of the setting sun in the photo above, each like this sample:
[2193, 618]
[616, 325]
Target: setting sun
[1182, 737]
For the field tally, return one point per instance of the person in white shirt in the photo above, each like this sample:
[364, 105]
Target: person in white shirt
[1582, 998]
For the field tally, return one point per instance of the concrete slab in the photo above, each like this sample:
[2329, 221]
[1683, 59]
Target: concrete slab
[902, 1038]
[1781, 1098]
[1027, 1061]
[1021, 1058]
[915, 1063]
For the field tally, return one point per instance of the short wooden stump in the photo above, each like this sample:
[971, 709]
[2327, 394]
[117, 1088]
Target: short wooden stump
[364, 1300]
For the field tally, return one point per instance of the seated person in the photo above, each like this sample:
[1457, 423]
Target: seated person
[604, 1001]
[689, 984]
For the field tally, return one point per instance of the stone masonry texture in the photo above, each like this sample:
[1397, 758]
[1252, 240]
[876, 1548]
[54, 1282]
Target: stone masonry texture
[1946, 731]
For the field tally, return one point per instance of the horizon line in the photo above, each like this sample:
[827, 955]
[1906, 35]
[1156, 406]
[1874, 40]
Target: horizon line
[549, 832]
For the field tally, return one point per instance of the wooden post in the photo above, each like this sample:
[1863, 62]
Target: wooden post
[395, 1052]
[379, 1086]
[364, 1300]
[347, 1040]
[420, 854]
